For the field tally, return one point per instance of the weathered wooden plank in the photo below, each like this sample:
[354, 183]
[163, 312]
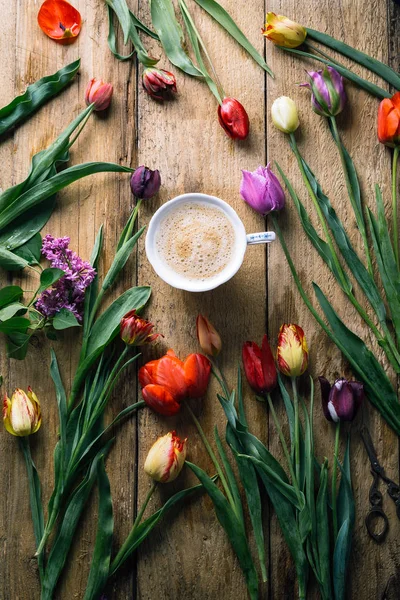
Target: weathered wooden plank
[188, 555]
[365, 27]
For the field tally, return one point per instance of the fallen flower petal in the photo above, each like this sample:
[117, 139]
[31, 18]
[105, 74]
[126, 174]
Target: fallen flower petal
[59, 20]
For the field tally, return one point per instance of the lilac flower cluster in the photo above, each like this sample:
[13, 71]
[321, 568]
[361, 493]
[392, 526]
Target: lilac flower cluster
[69, 291]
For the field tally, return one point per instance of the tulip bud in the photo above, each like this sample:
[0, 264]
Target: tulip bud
[208, 336]
[327, 91]
[145, 183]
[284, 115]
[158, 83]
[389, 121]
[21, 414]
[262, 191]
[341, 401]
[259, 367]
[166, 458]
[99, 94]
[283, 32]
[292, 350]
[136, 331]
[233, 119]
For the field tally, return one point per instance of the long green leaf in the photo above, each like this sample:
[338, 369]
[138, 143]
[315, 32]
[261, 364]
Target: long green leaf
[171, 36]
[233, 486]
[35, 96]
[362, 83]
[322, 538]
[341, 557]
[44, 190]
[106, 328]
[378, 387]
[225, 20]
[61, 401]
[146, 526]
[128, 22]
[233, 529]
[370, 63]
[121, 9]
[10, 261]
[100, 565]
[120, 259]
[59, 552]
[9, 294]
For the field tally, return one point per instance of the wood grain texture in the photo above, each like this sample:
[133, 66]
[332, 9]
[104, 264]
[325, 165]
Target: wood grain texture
[188, 555]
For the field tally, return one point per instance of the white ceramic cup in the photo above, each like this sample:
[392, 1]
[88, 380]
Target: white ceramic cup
[241, 241]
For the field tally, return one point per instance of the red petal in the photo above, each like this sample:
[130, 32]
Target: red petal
[160, 400]
[197, 370]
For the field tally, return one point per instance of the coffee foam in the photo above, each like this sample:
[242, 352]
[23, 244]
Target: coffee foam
[196, 240]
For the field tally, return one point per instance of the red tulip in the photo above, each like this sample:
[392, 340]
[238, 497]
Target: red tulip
[166, 382]
[59, 20]
[259, 366]
[233, 119]
[99, 93]
[158, 83]
[389, 121]
[136, 331]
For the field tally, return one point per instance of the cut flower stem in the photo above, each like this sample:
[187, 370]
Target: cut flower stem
[334, 481]
[394, 205]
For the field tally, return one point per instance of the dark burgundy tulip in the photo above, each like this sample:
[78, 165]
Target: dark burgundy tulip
[341, 401]
[145, 183]
[233, 119]
[259, 366]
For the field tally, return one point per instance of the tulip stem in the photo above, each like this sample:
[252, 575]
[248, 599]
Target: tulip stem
[334, 482]
[213, 457]
[296, 428]
[35, 499]
[128, 229]
[284, 446]
[120, 558]
[394, 205]
[219, 376]
[357, 209]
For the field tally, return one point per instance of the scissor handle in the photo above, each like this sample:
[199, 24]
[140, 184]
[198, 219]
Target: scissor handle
[375, 514]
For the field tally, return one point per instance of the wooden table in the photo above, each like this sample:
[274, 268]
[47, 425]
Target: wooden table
[188, 555]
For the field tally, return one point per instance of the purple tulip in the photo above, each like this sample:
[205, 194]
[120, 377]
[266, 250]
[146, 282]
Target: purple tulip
[341, 401]
[145, 183]
[262, 191]
[328, 97]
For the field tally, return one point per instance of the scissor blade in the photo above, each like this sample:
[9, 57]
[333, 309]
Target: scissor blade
[369, 446]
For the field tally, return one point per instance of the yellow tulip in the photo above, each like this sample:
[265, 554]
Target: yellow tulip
[283, 32]
[21, 414]
[166, 458]
[292, 354]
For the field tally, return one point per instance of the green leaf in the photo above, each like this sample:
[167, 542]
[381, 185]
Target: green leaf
[26, 226]
[345, 499]
[59, 552]
[48, 277]
[129, 25]
[233, 528]
[322, 537]
[121, 9]
[341, 557]
[65, 319]
[171, 36]
[372, 64]
[362, 83]
[194, 39]
[146, 526]
[233, 486]
[225, 20]
[35, 96]
[9, 294]
[15, 324]
[319, 244]
[377, 385]
[42, 191]
[17, 345]
[139, 25]
[107, 326]
[12, 309]
[100, 565]
[31, 250]
[288, 406]
[120, 259]
[61, 403]
[10, 261]
[249, 481]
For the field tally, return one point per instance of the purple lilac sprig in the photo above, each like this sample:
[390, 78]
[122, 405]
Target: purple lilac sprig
[69, 291]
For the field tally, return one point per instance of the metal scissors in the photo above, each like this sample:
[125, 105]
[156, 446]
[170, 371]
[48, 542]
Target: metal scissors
[375, 496]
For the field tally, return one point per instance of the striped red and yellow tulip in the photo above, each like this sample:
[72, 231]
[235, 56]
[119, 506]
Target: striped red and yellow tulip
[166, 458]
[21, 413]
[283, 31]
[292, 353]
[136, 331]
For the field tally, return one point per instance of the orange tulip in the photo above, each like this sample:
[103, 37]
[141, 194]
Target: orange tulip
[292, 352]
[59, 20]
[166, 458]
[389, 121]
[208, 336]
[166, 382]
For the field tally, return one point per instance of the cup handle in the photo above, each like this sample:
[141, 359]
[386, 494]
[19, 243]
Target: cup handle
[261, 238]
